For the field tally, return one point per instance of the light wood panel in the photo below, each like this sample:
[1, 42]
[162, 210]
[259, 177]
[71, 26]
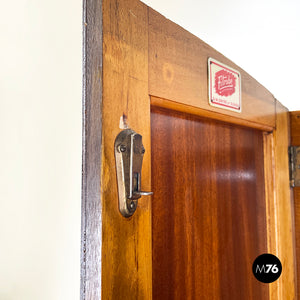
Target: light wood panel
[297, 233]
[178, 72]
[282, 227]
[271, 205]
[208, 211]
[126, 248]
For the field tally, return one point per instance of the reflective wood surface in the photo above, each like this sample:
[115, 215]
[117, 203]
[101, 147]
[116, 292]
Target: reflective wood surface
[208, 210]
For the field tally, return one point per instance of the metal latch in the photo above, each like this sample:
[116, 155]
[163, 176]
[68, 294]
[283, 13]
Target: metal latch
[129, 152]
[294, 161]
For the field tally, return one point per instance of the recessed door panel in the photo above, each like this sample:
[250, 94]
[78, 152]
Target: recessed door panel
[208, 208]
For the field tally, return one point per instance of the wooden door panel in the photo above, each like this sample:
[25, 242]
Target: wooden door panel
[131, 52]
[208, 209]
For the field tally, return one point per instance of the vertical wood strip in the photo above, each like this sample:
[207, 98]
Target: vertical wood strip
[295, 141]
[295, 128]
[91, 229]
[271, 206]
[126, 243]
[269, 189]
[297, 232]
[283, 204]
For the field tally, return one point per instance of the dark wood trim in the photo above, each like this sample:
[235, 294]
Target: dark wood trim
[91, 216]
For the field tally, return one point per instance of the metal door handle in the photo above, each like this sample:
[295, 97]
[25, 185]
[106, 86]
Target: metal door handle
[141, 193]
[129, 152]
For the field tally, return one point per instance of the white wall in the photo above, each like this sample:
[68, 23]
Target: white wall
[40, 120]
[40, 153]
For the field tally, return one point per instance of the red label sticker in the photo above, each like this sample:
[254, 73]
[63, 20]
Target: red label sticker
[224, 86]
[224, 83]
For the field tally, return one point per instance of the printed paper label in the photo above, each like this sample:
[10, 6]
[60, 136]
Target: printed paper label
[224, 86]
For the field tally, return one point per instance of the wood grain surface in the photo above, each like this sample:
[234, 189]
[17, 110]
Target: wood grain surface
[282, 217]
[208, 210]
[295, 127]
[130, 51]
[91, 212]
[126, 243]
[297, 233]
[295, 141]
[181, 107]
[178, 72]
